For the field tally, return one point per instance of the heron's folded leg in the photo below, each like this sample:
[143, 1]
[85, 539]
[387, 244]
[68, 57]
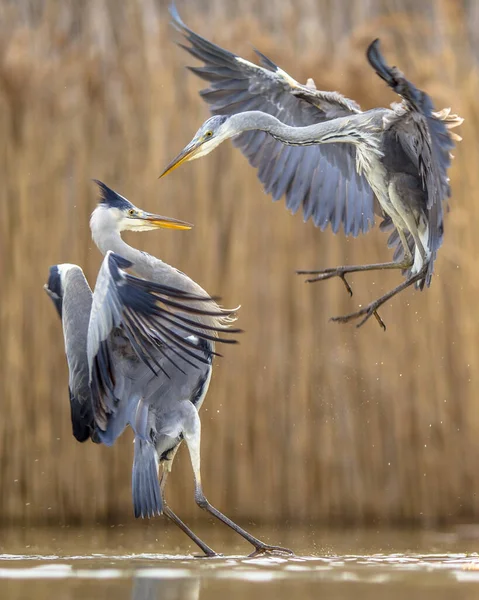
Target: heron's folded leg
[329, 273]
[341, 272]
[371, 309]
[192, 437]
[177, 521]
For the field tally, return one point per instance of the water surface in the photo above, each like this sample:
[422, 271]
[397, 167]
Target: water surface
[153, 562]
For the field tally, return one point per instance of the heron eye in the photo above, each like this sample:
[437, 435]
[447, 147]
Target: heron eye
[208, 134]
[131, 212]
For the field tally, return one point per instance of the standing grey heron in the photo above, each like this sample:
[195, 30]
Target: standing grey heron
[140, 351]
[320, 151]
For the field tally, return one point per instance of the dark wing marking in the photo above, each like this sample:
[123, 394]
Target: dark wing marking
[309, 177]
[155, 319]
[425, 137]
[81, 416]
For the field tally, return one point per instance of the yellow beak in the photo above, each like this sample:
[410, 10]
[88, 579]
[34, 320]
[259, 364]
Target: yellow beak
[166, 222]
[186, 154]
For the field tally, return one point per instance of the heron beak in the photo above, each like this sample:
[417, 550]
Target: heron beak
[165, 222]
[188, 153]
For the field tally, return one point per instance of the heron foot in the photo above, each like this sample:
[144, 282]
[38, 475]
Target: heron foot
[372, 308]
[366, 312]
[209, 554]
[267, 549]
[329, 273]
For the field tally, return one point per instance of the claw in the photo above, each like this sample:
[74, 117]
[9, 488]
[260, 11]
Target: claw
[327, 274]
[368, 312]
[349, 289]
[379, 320]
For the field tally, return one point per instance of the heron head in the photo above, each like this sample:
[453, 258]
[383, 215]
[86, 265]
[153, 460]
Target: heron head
[211, 134]
[116, 212]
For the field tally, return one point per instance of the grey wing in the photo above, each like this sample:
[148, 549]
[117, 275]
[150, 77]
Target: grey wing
[425, 138]
[73, 303]
[140, 329]
[320, 179]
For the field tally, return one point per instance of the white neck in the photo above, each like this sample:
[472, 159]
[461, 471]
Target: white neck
[106, 235]
[113, 241]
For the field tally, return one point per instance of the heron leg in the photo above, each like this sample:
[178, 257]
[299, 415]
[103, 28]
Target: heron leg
[177, 521]
[330, 272]
[371, 309]
[192, 438]
[341, 272]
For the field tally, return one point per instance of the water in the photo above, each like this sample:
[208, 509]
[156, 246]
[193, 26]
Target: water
[152, 562]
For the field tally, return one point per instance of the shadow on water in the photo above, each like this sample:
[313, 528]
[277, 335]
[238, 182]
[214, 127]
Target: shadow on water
[138, 564]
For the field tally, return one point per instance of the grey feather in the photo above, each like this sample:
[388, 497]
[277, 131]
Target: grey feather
[72, 299]
[136, 324]
[237, 86]
[147, 501]
[423, 136]
[140, 348]
[338, 158]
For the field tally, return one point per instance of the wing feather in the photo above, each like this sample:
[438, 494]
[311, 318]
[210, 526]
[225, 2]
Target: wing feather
[425, 138]
[153, 321]
[73, 299]
[237, 85]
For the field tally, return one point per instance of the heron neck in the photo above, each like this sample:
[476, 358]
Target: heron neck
[343, 129]
[114, 242]
[145, 265]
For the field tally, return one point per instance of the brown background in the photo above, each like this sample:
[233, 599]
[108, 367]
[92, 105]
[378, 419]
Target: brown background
[305, 419]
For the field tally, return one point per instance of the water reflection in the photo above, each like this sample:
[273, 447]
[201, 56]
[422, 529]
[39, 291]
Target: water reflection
[149, 588]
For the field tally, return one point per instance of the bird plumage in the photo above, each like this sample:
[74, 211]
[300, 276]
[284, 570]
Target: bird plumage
[326, 156]
[320, 180]
[148, 342]
[72, 298]
[137, 348]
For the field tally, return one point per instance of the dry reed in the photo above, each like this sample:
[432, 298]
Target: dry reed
[305, 420]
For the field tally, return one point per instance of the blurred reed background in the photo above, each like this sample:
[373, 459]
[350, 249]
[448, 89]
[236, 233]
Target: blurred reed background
[305, 420]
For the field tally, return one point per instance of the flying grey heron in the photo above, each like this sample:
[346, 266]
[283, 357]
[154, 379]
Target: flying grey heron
[139, 351]
[320, 151]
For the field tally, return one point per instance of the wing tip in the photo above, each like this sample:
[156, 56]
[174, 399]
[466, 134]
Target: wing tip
[176, 20]
[266, 62]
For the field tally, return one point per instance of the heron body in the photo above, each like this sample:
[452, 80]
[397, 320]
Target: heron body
[140, 350]
[326, 156]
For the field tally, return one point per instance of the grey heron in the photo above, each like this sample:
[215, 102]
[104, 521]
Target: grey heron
[140, 351]
[324, 154]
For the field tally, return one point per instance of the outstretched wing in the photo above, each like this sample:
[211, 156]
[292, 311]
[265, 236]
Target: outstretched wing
[322, 179]
[425, 138]
[153, 326]
[72, 300]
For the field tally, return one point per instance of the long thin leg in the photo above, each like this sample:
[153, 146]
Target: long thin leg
[192, 438]
[176, 519]
[329, 273]
[371, 308]
[193, 537]
[340, 272]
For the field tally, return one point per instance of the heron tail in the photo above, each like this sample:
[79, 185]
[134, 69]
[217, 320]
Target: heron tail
[147, 501]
